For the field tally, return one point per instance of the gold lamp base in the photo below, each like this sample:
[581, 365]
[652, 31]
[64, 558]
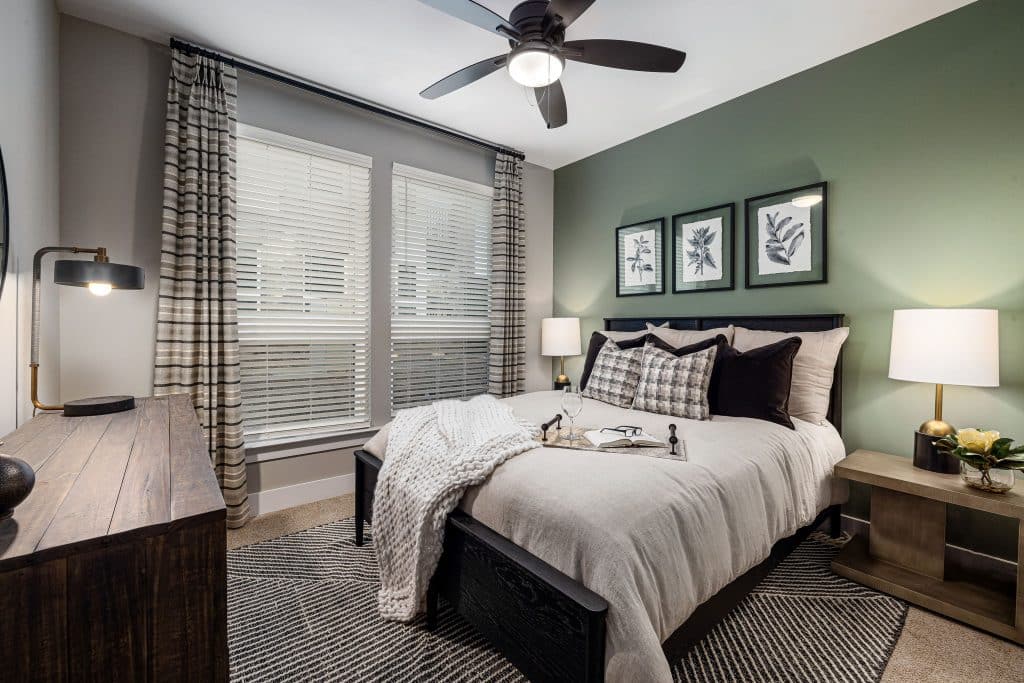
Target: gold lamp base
[926, 455]
[936, 428]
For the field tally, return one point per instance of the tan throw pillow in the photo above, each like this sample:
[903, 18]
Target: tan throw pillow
[675, 385]
[812, 368]
[627, 336]
[679, 338]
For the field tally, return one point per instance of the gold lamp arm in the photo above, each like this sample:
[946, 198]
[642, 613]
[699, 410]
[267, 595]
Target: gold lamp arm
[37, 272]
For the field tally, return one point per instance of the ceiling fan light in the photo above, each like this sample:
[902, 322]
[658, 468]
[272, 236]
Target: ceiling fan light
[535, 66]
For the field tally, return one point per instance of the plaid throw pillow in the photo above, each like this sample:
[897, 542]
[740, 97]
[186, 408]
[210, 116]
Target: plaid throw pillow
[673, 385]
[615, 374]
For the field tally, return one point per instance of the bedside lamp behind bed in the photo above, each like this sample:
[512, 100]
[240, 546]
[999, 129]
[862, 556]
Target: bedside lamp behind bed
[560, 337]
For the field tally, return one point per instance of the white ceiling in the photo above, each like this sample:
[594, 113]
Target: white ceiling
[388, 50]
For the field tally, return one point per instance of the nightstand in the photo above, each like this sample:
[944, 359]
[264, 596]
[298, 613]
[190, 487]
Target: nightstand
[904, 554]
[561, 385]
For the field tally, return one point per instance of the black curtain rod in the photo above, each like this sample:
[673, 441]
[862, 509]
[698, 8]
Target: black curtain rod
[338, 96]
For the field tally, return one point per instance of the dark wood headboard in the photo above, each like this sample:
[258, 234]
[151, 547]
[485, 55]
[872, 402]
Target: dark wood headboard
[780, 323]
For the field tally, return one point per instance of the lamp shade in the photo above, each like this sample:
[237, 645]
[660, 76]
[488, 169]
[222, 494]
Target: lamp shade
[945, 346]
[560, 337]
[83, 273]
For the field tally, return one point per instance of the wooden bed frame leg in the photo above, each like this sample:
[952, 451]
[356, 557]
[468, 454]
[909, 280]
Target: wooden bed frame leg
[835, 521]
[360, 502]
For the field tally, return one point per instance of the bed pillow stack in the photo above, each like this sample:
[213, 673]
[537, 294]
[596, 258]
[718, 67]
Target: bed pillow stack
[737, 372]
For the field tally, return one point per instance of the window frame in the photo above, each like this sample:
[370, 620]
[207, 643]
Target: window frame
[413, 173]
[291, 445]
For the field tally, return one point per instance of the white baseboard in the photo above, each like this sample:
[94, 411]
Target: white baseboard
[272, 500]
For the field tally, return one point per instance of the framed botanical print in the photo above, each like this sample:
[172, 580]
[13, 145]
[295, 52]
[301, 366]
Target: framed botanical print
[702, 250]
[639, 258]
[787, 237]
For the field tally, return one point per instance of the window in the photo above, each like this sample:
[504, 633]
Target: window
[440, 287]
[303, 287]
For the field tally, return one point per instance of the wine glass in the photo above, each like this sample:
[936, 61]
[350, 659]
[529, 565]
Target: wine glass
[572, 404]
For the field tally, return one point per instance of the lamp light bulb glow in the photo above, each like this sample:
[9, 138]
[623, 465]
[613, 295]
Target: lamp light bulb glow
[100, 288]
[535, 67]
[804, 201]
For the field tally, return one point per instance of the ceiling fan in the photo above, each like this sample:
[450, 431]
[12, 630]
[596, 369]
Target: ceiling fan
[536, 33]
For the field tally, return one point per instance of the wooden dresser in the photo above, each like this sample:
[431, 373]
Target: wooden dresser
[114, 567]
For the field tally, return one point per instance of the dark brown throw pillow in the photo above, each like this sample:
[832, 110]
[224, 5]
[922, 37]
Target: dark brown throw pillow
[689, 348]
[754, 383]
[597, 340]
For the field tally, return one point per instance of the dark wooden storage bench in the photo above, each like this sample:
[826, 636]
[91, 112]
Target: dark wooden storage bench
[114, 568]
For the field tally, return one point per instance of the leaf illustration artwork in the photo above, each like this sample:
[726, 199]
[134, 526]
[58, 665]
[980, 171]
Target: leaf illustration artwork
[784, 239]
[639, 266]
[702, 247]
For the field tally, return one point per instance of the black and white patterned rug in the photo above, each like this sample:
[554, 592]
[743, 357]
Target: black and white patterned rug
[303, 608]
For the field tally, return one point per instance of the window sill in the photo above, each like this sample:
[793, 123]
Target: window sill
[295, 446]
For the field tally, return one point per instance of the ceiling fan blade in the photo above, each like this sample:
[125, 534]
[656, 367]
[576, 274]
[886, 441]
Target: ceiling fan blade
[464, 77]
[551, 102]
[625, 54]
[475, 14]
[569, 10]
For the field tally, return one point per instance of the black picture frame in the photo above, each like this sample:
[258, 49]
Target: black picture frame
[657, 260]
[727, 212]
[818, 232]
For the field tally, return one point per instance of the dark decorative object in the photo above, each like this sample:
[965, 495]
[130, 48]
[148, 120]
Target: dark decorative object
[5, 231]
[555, 422]
[100, 277]
[672, 438]
[927, 456]
[703, 252]
[754, 383]
[639, 258]
[16, 482]
[787, 237]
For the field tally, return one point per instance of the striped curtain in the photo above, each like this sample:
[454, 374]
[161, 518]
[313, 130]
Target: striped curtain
[197, 331]
[507, 371]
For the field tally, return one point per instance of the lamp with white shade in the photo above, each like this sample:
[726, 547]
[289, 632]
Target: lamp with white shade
[943, 346]
[560, 337]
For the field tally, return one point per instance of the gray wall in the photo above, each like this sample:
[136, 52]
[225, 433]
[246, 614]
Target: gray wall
[112, 108]
[28, 137]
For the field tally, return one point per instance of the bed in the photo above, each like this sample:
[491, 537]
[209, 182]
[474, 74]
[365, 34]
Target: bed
[669, 547]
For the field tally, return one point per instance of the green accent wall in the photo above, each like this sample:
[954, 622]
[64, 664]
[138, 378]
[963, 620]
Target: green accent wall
[921, 139]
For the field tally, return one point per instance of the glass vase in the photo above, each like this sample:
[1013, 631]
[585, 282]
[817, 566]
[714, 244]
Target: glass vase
[991, 480]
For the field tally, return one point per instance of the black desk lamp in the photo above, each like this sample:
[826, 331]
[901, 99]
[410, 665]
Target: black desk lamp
[100, 276]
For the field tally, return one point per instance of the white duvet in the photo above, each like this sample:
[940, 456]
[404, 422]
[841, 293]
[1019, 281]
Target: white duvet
[655, 537]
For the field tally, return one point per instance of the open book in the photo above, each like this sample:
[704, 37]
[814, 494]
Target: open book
[611, 439]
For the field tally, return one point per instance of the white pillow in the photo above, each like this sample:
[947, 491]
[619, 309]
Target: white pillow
[617, 336]
[680, 338]
[812, 367]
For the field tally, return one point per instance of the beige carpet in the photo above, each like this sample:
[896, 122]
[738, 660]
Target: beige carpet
[931, 649]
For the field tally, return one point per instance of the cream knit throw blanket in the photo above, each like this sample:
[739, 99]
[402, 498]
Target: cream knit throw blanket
[434, 454]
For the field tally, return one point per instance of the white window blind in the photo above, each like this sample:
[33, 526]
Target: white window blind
[303, 287]
[440, 287]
